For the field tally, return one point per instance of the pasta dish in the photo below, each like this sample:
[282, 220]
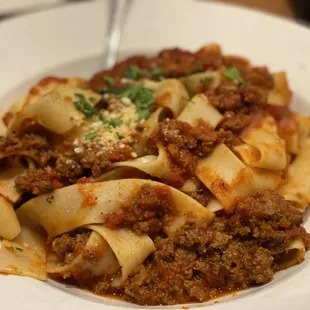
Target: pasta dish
[167, 179]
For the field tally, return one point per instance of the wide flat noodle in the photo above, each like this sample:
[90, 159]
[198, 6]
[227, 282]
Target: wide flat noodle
[172, 94]
[7, 183]
[45, 86]
[297, 187]
[195, 83]
[9, 224]
[153, 165]
[263, 147]
[230, 180]
[95, 259]
[54, 110]
[130, 249]
[294, 254]
[199, 108]
[82, 204]
[280, 95]
[25, 255]
[214, 206]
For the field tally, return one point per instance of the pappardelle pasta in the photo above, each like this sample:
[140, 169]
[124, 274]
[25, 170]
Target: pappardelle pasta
[165, 180]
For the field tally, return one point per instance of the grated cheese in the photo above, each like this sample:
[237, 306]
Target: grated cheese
[118, 123]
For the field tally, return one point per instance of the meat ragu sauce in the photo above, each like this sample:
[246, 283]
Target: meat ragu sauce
[202, 262]
[237, 250]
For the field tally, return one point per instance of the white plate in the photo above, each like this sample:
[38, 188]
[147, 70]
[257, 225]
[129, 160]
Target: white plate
[68, 41]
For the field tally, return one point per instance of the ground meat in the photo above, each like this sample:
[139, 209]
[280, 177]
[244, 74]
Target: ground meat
[259, 76]
[38, 181]
[268, 218]
[69, 169]
[235, 252]
[69, 246]
[236, 121]
[186, 145]
[226, 97]
[32, 145]
[150, 202]
[171, 62]
[98, 157]
[203, 196]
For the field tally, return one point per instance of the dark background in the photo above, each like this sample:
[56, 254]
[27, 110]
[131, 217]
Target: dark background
[299, 9]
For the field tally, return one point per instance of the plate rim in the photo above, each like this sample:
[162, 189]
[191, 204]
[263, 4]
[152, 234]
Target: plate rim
[227, 305]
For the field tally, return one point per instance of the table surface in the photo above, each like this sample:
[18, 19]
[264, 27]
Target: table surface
[280, 7]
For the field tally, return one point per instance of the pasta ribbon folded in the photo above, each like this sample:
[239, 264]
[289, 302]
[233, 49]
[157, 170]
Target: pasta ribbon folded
[264, 148]
[25, 255]
[199, 108]
[130, 250]
[55, 110]
[153, 165]
[196, 82]
[172, 94]
[83, 204]
[280, 95]
[8, 215]
[230, 180]
[295, 189]
[95, 259]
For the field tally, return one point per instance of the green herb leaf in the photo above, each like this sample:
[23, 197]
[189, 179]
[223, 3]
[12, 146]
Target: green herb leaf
[73, 154]
[207, 80]
[115, 122]
[119, 136]
[232, 73]
[92, 99]
[19, 249]
[133, 72]
[90, 136]
[83, 106]
[156, 71]
[109, 79]
[142, 98]
[112, 122]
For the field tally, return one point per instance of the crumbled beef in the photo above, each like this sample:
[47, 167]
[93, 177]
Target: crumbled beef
[171, 62]
[259, 76]
[68, 168]
[185, 145]
[69, 246]
[98, 157]
[149, 202]
[32, 145]
[235, 252]
[38, 181]
[226, 97]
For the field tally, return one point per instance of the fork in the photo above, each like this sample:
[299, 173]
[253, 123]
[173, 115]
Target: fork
[117, 18]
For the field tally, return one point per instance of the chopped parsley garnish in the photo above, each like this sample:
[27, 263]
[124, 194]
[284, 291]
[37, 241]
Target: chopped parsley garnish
[109, 79]
[196, 70]
[119, 136]
[92, 99]
[156, 71]
[73, 154]
[19, 249]
[83, 106]
[232, 73]
[115, 122]
[207, 80]
[133, 72]
[112, 122]
[90, 136]
[142, 98]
